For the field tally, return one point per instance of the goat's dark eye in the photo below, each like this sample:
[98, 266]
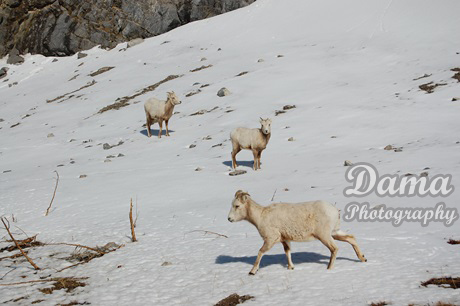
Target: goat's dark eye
[237, 206]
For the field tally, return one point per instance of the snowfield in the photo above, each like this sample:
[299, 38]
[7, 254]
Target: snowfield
[351, 68]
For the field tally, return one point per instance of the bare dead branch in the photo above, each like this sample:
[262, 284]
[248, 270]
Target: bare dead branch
[133, 234]
[88, 260]
[71, 266]
[13, 256]
[17, 245]
[137, 215]
[54, 194]
[22, 230]
[209, 232]
[78, 246]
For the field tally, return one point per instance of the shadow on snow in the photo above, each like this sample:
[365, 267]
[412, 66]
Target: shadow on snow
[155, 133]
[280, 259]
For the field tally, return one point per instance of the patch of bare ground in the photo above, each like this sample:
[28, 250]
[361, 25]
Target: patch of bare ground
[445, 282]
[201, 68]
[452, 241]
[234, 299]
[429, 87]
[25, 243]
[16, 300]
[242, 73]
[435, 304]
[204, 111]
[122, 102]
[82, 257]
[380, 303]
[422, 77]
[67, 283]
[93, 82]
[457, 74]
[285, 108]
[100, 71]
[192, 93]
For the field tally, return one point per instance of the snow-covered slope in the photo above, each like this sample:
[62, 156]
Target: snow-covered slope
[349, 67]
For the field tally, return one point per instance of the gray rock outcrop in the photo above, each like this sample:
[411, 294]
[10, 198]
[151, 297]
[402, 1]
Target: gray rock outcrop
[64, 27]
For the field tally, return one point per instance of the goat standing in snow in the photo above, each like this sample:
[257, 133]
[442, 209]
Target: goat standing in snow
[255, 140]
[159, 111]
[284, 222]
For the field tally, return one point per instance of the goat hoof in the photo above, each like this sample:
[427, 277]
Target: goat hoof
[290, 268]
[252, 273]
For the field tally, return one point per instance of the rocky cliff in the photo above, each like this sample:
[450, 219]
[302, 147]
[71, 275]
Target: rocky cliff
[64, 27]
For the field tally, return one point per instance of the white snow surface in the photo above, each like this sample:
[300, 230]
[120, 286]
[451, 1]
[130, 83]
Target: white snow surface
[348, 66]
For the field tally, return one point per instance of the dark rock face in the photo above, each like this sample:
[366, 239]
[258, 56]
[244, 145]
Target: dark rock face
[64, 27]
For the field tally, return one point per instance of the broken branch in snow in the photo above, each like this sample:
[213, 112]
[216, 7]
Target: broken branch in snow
[79, 246]
[17, 245]
[77, 264]
[133, 234]
[54, 194]
[209, 232]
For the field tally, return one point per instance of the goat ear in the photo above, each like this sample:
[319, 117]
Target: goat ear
[242, 195]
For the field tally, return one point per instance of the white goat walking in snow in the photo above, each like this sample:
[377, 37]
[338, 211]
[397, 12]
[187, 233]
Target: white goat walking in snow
[255, 140]
[159, 111]
[284, 222]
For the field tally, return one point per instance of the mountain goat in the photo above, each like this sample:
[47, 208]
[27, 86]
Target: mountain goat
[159, 111]
[284, 222]
[255, 140]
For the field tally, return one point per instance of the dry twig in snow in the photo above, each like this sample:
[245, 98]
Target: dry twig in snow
[17, 245]
[133, 234]
[209, 232]
[54, 194]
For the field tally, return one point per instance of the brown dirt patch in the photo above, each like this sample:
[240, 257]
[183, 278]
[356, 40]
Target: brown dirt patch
[93, 82]
[192, 93]
[122, 102]
[67, 283]
[429, 87]
[74, 303]
[457, 75]
[234, 299]
[201, 68]
[422, 77]
[452, 241]
[452, 282]
[100, 71]
[242, 73]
